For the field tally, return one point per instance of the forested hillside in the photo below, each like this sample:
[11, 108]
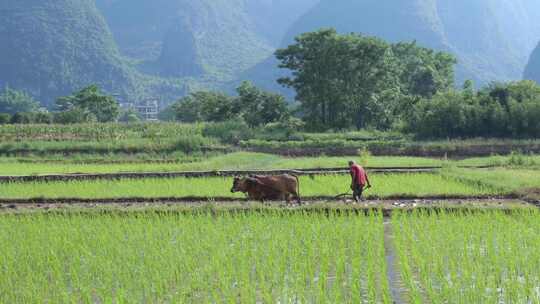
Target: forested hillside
[141, 48]
[491, 38]
[532, 72]
[215, 38]
[50, 48]
[167, 48]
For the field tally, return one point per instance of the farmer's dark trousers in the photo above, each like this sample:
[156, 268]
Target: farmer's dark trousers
[357, 192]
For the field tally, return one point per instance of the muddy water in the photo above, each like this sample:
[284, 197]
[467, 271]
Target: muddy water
[392, 268]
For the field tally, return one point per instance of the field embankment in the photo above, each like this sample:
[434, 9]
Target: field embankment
[450, 149]
[163, 140]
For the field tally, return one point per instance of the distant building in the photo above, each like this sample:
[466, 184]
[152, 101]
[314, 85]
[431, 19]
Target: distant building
[148, 109]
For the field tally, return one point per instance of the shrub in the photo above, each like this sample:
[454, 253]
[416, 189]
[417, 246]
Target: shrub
[192, 143]
[74, 116]
[43, 118]
[22, 118]
[231, 132]
[5, 118]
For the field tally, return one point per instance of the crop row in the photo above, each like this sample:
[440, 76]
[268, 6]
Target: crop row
[482, 258]
[384, 185]
[97, 132]
[268, 258]
[245, 161]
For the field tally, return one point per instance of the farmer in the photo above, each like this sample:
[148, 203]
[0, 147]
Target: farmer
[359, 180]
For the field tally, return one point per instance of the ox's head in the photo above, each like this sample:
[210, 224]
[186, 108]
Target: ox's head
[242, 184]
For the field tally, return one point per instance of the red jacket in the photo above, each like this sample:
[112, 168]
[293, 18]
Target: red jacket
[359, 175]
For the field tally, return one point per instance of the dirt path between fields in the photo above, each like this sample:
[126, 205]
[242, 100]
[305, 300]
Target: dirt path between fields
[397, 200]
[387, 205]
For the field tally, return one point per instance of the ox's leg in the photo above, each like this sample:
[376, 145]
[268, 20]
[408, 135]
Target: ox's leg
[287, 199]
[297, 198]
[263, 200]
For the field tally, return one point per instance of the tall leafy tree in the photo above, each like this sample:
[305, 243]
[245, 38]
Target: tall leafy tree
[499, 110]
[423, 71]
[93, 102]
[14, 101]
[205, 106]
[259, 107]
[254, 106]
[337, 77]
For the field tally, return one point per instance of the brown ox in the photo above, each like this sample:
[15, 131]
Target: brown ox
[261, 188]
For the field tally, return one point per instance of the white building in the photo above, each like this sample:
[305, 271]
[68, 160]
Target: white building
[148, 109]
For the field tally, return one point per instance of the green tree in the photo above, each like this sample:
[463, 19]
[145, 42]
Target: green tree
[188, 109]
[4, 118]
[258, 107]
[423, 71]
[22, 118]
[14, 101]
[43, 118]
[520, 91]
[499, 110]
[91, 100]
[73, 116]
[337, 77]
[129, 116]
[468, 90]
[167, 114]
[205, 106]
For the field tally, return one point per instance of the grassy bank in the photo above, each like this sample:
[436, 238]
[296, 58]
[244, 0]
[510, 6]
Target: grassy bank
[169, 138]
[402, 147]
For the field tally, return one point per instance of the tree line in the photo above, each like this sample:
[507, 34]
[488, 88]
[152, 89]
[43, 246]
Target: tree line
[498, 110]
[89, 104]
[252, 105]
[353, 81]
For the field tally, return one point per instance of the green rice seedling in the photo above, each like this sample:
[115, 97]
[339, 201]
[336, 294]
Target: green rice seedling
[384, 185]
[464, 257]
[499, 179]
[233, 161]
[193, 258]
[112, 163]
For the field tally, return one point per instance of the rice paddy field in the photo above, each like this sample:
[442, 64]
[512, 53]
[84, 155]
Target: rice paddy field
[216, 253]
[239, 161]
[481, 257]
[279, 256]
[270, 258]
[385, 185]
[233, 161]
